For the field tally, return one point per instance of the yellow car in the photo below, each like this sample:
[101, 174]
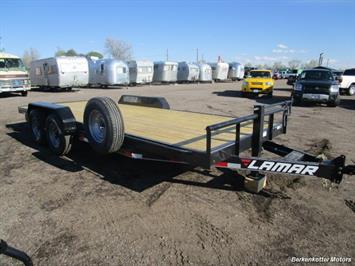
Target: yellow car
[258, 82]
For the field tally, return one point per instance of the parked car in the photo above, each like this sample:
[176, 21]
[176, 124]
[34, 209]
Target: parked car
[276, 75]
[336, 73]
[292, 76]
[347, 84]
[316, 85]
[283, 74]
[258, 82]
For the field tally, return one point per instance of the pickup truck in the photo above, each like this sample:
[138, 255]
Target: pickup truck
[347, 84]
[316, 85]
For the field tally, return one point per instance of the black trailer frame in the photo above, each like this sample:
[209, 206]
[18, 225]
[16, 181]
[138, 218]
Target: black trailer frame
[224, 156]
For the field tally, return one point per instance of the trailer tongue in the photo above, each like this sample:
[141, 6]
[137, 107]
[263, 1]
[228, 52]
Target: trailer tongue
[145, 128]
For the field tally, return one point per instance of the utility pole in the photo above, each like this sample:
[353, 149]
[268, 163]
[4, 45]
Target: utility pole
[320, 62]
[167, 54]
[328, 62]
[196, 55]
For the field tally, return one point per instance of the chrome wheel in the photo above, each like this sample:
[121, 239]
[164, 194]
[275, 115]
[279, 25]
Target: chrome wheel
[97, 126]
[54, 134]
[352, 90]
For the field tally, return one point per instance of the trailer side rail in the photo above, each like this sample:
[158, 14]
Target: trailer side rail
[258, 120]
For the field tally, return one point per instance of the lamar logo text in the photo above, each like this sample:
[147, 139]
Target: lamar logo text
[290, 168]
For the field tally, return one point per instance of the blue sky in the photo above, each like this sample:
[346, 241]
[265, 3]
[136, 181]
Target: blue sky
[247, 31]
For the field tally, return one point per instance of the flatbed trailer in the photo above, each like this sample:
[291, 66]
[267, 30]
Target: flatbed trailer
[146, 128]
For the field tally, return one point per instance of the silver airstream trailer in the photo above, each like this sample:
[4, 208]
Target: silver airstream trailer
[219, 71]
[140, 72]
[205, 72]
[165, 71]
[236, 71]
[60, 72]
[108, 72]
[188, 72]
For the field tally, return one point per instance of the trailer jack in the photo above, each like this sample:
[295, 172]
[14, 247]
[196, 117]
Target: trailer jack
[292, 162]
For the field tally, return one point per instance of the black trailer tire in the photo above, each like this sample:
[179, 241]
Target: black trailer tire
[58, 143]
[24, 93]
[296, 102]
[36, 120]
[334, 103]
[103, 124]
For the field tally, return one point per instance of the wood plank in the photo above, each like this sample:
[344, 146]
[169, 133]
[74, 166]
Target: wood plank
[184, 129]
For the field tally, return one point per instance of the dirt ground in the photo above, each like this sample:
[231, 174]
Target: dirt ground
[85, 209]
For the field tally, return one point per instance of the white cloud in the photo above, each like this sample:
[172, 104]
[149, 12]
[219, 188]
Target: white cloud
[282, 46]
[266, 58]
[284, 49]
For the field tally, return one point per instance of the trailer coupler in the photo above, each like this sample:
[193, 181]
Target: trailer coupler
[292, 162]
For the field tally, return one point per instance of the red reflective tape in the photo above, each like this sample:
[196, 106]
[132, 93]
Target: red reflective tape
[246, 162]
[222, 164]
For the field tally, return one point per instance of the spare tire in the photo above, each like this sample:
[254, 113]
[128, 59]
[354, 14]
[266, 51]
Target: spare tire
[103, 124]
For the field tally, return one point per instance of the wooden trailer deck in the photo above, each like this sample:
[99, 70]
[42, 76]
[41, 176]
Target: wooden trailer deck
[179, 128]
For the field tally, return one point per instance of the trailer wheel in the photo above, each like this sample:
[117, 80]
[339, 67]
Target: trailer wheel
[103, 123]
[58, 143]
[24, 93]
[36, 120]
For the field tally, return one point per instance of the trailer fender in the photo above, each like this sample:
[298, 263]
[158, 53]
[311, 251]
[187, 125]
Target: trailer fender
[155, 102]
[66, 118]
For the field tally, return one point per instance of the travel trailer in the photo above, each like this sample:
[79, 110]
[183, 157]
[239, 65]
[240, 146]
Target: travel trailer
[108, 72]
[13, 75]
[140, 72]
[60, 72]
[188, 72]
[165, 71]
[205, 72]
[219, 71]
[236, 71]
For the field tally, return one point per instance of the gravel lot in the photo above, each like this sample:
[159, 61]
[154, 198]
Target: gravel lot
[85, 209]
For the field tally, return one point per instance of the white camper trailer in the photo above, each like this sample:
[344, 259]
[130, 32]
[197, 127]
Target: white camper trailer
[236, 71]
[187, 72]
[140, 72]
[165, 71]
[108, 72]
[219, 71]
[60, 72]
[205, 72]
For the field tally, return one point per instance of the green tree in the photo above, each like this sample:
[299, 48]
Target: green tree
[71, 52]
[60, 52]
[95, 54]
